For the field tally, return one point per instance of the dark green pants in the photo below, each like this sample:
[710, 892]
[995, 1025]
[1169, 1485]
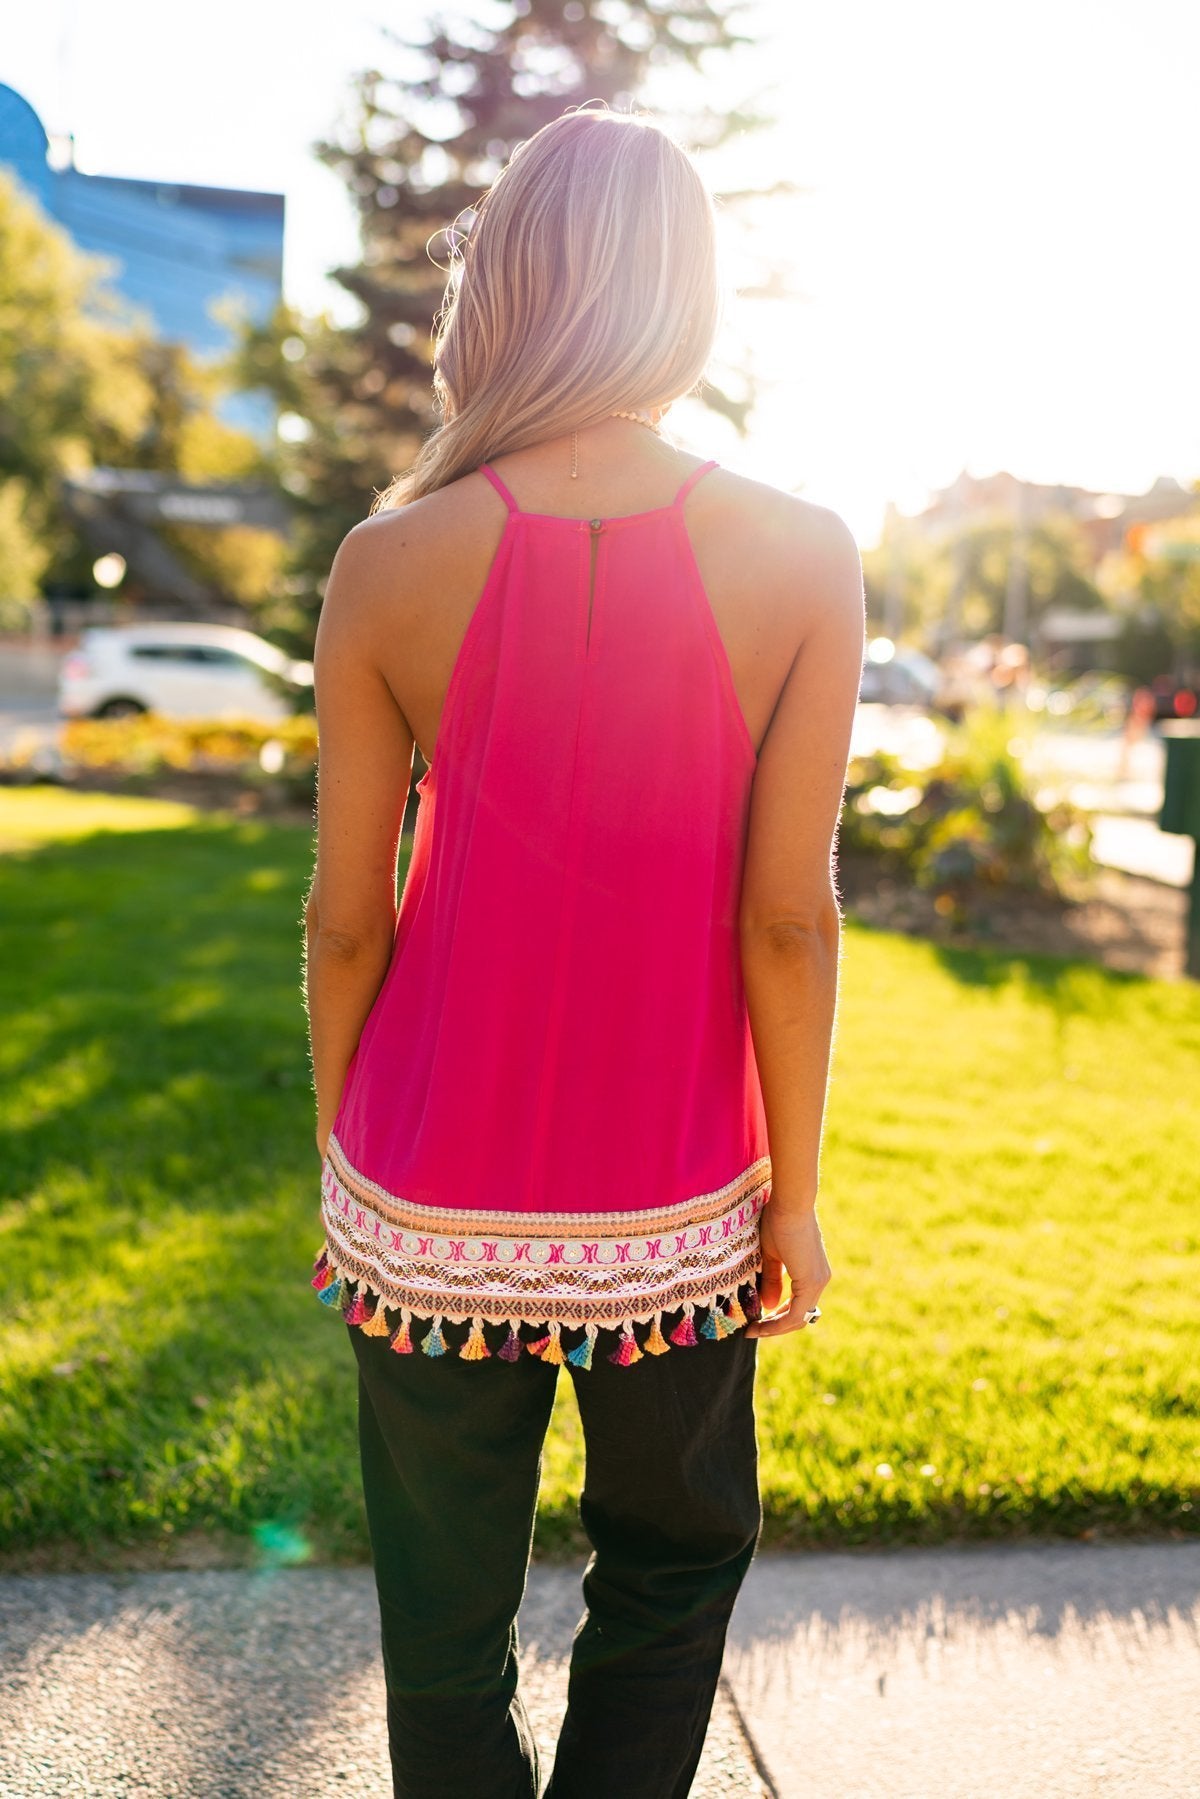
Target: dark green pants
[451, 1456]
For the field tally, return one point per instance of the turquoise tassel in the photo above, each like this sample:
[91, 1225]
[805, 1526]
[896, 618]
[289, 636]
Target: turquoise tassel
[709, 1327]
[435, 1343]
[333, 1293]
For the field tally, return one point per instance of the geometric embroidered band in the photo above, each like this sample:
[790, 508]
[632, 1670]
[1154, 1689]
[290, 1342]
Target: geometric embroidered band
[556, 1271]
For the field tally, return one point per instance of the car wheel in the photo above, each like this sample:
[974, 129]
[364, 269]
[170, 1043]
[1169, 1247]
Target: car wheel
[119, 708]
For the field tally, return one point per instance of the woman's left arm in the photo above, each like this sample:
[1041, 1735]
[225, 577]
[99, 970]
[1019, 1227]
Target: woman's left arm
[365, 760]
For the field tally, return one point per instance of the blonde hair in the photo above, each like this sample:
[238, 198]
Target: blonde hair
[588, 284]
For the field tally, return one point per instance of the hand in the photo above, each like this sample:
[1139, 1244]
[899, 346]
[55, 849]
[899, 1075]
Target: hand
[792, 1249]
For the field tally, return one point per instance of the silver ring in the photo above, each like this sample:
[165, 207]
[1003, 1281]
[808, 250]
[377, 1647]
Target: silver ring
[811, 1316]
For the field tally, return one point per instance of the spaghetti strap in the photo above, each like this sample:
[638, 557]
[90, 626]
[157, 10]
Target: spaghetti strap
[697, 474]
[490, 474]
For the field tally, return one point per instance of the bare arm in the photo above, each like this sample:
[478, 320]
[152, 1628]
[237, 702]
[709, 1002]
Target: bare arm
[790, 916]
[364, 770]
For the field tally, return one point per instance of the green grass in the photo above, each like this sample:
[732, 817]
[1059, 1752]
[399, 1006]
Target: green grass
[1009, 1202]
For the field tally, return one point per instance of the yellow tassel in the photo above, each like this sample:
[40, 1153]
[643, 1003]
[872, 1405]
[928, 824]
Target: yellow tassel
[475, 1348]
[553, 1351]
[377, 1324]
[725, 1325]
[656, 1343]
[736, 1312]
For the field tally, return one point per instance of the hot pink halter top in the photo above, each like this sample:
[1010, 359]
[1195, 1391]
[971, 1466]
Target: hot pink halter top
[552, 1126]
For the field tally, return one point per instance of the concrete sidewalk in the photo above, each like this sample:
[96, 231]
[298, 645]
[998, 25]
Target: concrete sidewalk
[920, 1674]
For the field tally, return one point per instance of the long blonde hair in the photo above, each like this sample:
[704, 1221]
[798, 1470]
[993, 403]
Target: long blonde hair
[588, 284]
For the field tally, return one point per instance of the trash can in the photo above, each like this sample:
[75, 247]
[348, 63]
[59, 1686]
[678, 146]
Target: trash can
[1180, 814]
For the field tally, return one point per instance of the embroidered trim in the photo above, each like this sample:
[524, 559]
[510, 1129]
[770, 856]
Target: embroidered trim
[554, 1271]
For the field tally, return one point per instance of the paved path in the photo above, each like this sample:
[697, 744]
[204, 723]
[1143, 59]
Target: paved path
[1036, 1673]
[238, 1685]
[1047, 1671]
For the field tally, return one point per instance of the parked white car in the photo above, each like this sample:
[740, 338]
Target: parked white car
[180, 670]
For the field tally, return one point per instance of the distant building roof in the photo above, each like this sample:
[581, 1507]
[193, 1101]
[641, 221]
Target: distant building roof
[175, 248]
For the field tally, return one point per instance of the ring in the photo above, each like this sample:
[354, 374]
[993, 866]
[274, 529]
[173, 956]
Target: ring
[811, 1316]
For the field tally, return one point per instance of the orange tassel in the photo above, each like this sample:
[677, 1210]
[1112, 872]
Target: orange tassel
[736, 1312]
[475, 1348]
[656, 1343]
[402, 1341]
[553, 1351]
[377, 1324]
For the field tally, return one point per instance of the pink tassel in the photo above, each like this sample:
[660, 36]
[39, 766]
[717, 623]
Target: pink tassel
[684, 1333]
[357, 1313]
[402, 1341]
[627, 1350]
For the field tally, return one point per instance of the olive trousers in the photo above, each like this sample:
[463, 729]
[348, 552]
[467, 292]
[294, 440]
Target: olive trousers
[451, 1455]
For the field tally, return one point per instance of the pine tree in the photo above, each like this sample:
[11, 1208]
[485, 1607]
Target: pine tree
[425, 140]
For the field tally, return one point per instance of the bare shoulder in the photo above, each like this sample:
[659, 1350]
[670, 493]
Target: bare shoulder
[785, 525]
[389, 565]
[404, 538]
[799, 554]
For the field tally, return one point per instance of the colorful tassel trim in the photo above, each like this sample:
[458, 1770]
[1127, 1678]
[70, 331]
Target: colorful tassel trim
[334, 1292]
[656, 1343]
[581, 1355]
[377, 1324]
[549, 1347]
[357, 1312]
[684, 1334]
[627, 1350]
[722, 1318]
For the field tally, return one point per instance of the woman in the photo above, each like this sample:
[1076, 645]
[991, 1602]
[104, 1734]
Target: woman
[547, 1081]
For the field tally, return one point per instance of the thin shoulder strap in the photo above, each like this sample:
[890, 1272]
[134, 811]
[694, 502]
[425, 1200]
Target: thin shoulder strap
[697, 474]
[490, 474]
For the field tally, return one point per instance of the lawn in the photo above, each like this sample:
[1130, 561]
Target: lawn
[1008, 1347]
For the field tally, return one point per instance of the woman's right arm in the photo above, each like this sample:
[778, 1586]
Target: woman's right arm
[790, 914]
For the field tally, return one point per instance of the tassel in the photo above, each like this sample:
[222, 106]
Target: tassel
[325, 1279]
[377, 1324]
[402, 1341]
[684, 1333]
[357, 1313]
[539, 1345]
[753, 1304]
[553, 1352]
[736, 1312]
[435, 1343]
[725, 1325]
[709, 1327]
[581, 1355]
[510, 1349]
[333, 1292]
[475, 1348]
[656, 1343]
[320, 1267]
[627, 1350]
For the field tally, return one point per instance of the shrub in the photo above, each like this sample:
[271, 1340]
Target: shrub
[967, 824]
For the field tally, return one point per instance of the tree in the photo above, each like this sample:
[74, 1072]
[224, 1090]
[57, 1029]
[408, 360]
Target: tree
[423, 141]
[978, 555]
[85, 383]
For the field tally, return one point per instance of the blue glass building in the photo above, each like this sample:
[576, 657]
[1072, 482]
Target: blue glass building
[175, 248]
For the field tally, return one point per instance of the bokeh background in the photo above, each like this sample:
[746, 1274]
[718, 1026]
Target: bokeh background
[961, 268]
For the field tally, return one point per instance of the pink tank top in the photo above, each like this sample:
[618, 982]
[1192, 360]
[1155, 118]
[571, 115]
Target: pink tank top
[552, 1125]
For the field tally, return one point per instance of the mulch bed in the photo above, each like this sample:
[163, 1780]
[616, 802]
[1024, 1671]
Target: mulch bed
[1124, 921]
